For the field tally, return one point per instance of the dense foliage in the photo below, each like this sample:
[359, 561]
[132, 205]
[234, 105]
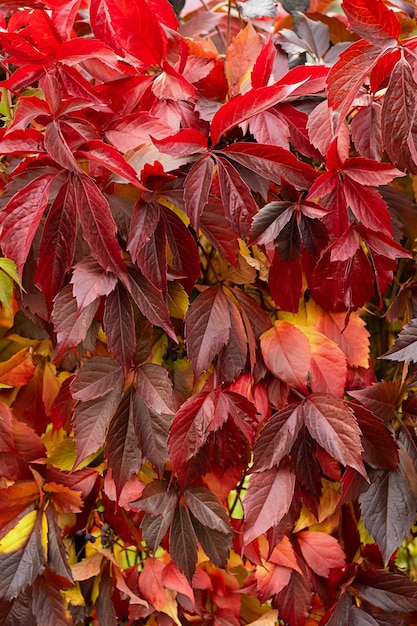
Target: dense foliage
[208, 324]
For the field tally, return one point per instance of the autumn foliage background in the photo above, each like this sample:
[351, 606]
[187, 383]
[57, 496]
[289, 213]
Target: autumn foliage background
[208, 314]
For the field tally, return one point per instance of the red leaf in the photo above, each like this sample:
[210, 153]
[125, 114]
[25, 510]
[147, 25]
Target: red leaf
[240, 207]
[21, 141]
[98, 376]
[149, 301]
[21, 217]
[263, 65]
[138, 30]
[271, 579]
[151, 430]
[268, 499]
[380, 449]
[207, 328]
[90, 282]
[333, 426]
[109, 157]
[321, 552]
[144, 221]
[57, 146]
[172, 85]
[398, 111]
[196, 189]
[242, 107]
[272, 163]
[91, 420]
[186, 141]
[56, 252]
[119, 326]
[277, 437]
[183, 542]
[287, 354]
[295, 599]
[373, 21]
[122, 450]
[98, 225]
[347, 75]
[70, 324]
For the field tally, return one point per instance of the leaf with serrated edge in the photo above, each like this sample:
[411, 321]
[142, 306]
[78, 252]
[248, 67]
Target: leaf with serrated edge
[321, 551]
[183, 542]
[277, 437]
[287, 353]
[267, 500]
[333, 426]
[405, 346]
[98, 376]
[388, 510]
[207, 509]
[207, 328]
[119, 326]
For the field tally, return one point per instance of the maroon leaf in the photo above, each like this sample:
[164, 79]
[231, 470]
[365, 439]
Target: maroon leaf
[388, 510]
[98, 376]
[405, 346]
[380, 398]
[70, 324]
[143, 224]
[91, 420]
[48, 604]
[119, 326]
[207, 509]
[156, 499]
[295, 599]
[367, 132]
[185, 257]
[57, 554]
[207, 328]
[389, 592]
[98, 225]
[277, 437]
[214, 543]
[398, 111]
[57, 244]
[20, 567]
[380, 450]
[267, 500]
[151, 430]
[196, 189]
[240, 207]
[183, 542]
[122, 449]
[149, 301]
[155, 388]
[333, 426]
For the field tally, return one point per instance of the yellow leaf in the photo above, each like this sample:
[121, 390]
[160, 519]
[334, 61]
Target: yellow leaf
[17, 537]
[62, 455]
[177, 301]
[74, 596]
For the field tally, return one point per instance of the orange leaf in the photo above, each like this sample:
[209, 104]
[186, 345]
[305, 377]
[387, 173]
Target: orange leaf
[17, 370]
[321, 551]
[328, 364]
[287, 353]
[65, 500]
[240, 59]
